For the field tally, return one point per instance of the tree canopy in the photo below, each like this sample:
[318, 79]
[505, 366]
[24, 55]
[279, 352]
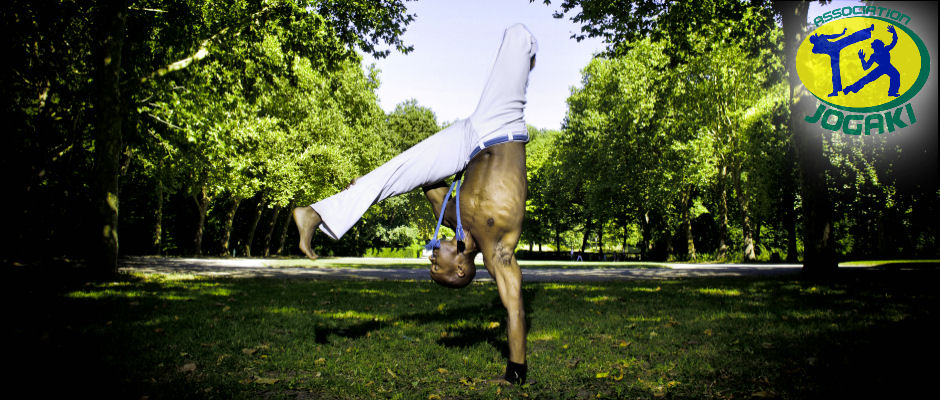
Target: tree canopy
[193, 127]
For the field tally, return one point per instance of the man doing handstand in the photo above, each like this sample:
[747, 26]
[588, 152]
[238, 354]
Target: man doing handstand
[489, 147]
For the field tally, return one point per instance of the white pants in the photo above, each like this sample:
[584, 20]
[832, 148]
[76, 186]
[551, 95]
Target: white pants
[499, 114]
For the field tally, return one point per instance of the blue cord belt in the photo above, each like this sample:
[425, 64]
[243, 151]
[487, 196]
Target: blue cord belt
[518, 137]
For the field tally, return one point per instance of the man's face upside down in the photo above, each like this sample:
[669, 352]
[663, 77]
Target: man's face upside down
[450, 267]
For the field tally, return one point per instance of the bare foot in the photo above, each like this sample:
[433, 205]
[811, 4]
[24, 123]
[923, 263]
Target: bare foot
[307, 221]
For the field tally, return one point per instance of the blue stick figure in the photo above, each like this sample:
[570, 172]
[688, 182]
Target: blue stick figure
[822, 45]
[882, 57]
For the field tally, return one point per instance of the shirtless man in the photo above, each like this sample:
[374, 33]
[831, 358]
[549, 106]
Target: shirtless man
[492, 203]
[489, 147]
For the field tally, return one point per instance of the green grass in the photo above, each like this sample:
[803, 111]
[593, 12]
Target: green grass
[423, 263]
[891, 263]
[862, 334]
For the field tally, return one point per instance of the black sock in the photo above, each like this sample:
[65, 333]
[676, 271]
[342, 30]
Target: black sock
[515, 373]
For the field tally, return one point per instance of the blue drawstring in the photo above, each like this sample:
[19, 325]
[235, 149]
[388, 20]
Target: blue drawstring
[435, 243]
[459, 233]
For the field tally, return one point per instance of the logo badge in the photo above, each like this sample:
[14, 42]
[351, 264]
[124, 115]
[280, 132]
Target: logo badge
[864, 64]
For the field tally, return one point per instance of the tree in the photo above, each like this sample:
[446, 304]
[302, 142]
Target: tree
[730, 96]
[819, 256]
[109, 40]
[615, 115]
[540, 220]
[749, 24]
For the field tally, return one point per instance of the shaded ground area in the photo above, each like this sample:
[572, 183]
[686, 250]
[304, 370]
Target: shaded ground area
[368, 269]
[862, 333]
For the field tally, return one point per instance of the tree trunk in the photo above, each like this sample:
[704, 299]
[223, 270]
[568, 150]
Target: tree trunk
[743, 203]
[789, 224]
[600, 239]
[270, 233]
[687, 223]
[624, 245]
[253, 227]
[202, 203]
[557, 239]
[587, 232]
[287, 220]
[227, 228]
[789, 212]
[158, 217]
[646, 229]
[109, 42]
[819, 255]
[723, 214]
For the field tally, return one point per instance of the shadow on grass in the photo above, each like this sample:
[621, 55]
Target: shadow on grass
[457, 337]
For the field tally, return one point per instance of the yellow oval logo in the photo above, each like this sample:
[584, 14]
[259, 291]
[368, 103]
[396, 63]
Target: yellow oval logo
[862, 64]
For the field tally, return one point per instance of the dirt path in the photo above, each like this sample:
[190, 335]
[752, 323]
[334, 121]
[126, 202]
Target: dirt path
[257, 268]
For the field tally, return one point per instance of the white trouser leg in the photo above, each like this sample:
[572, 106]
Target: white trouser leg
[432, 160]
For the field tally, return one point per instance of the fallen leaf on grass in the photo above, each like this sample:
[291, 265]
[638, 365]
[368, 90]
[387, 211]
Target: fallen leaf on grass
[249, 351]
[442, 370]
[764, 394]
[468, 383]
[266, 381]
[601, 375]
[708, 332]
[391, 373]
[320, 361]
[188, 367]
[624, 343]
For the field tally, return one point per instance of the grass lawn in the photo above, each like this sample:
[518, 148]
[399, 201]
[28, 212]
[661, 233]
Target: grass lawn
[863, 334]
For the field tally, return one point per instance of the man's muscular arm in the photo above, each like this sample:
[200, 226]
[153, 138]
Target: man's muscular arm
[501, 263]
[435, 194]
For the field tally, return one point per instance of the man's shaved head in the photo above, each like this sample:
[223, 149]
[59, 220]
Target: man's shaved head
[452, 267]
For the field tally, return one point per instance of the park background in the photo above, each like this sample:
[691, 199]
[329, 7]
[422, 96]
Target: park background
[194, 128]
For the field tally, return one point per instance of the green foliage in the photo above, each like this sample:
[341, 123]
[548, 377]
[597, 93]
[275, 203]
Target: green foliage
[233, 112]
[679, 133]
[223, 102]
